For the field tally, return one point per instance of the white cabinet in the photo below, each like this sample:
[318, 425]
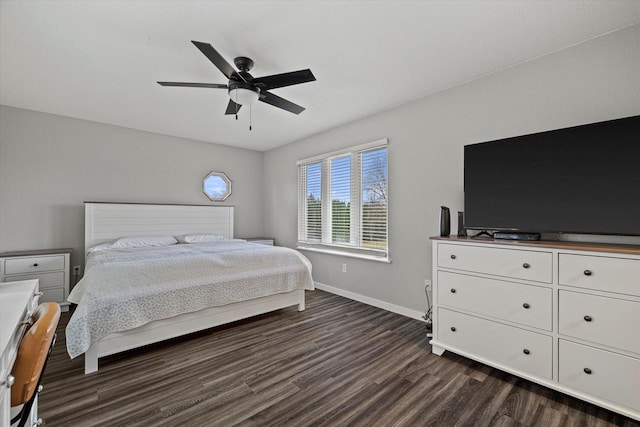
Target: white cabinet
[50, 267]
[565, 315]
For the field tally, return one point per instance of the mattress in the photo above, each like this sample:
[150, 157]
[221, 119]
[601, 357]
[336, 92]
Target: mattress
[126, 288]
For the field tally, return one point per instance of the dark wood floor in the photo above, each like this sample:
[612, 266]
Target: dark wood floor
[338, 363]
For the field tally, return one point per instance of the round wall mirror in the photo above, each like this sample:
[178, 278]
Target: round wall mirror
[216, 186]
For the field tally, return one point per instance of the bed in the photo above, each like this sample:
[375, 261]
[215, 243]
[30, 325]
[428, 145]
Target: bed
[131, 297]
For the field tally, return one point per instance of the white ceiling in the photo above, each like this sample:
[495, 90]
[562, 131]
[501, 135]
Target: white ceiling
[100, 60]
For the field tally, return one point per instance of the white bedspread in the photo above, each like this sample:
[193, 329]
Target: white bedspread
[126, 288]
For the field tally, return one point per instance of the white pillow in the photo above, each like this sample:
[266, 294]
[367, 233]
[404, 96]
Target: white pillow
[142, 241]
[100, 247]
[200, 238]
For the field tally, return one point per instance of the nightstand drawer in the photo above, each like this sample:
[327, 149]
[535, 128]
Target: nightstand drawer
[37, 264]
[47, 280]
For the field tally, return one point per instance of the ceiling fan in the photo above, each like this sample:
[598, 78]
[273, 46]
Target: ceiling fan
[244, 89]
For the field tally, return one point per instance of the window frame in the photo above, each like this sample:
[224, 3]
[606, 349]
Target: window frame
[326, 245]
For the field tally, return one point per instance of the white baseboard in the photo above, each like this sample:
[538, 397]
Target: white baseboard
[414, 314]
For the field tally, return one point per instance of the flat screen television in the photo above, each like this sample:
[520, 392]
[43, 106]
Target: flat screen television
[583, 179]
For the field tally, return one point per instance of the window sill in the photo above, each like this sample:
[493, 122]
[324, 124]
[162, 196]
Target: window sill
[339, 252]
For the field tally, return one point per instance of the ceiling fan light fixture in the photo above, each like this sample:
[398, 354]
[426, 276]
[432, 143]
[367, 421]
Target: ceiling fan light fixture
[243, 96]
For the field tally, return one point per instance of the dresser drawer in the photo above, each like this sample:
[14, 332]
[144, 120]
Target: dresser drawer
[519, 349]
[609, 321]
[612, 377]
[518, 264]
[33, 264]
[47, 280]
[601, 273]
[514, 302]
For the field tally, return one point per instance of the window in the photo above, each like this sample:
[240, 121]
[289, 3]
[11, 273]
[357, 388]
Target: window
[343, 202]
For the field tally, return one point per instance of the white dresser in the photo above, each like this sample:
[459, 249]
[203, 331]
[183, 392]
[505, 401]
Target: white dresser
[49, 266]
[564, 315]
[18, 300]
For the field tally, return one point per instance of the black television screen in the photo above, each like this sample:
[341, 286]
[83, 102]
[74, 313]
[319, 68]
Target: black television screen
[584, 179]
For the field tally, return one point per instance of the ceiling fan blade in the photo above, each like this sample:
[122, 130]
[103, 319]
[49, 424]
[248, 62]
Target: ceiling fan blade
[232, 108]
[217, 60]
[284, 79]
[276, 101]
[207, 85]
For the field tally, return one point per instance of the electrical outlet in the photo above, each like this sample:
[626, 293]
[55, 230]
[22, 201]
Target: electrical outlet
[76, 270]
[344, 268]
[427, 284]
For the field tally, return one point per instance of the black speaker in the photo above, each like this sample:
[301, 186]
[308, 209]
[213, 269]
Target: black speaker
[461, 231]
[445, 221]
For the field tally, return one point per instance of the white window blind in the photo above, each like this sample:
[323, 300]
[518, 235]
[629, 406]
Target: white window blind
[343, 201]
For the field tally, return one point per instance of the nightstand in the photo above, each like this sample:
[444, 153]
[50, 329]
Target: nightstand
[269, 241]
[50, 266]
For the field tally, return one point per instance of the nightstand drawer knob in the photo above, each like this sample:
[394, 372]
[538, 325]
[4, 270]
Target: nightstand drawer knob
[453, 257]
[453, 290]
[588, 272]
[453, 329]
[526, 305]
[526, 351]
[587, 371]
[526, 265]
[588, 318]
[35, 264]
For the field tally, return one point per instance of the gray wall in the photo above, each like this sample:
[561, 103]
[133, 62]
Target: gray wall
[50, 164]
[592, 82]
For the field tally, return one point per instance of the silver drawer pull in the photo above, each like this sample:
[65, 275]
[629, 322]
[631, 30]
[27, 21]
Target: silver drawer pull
[526, 351]
[587, 371]
[588, 318]
[588, 272]
[9, 381]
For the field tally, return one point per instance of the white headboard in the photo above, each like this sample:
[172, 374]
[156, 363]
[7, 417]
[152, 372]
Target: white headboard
[108, 221]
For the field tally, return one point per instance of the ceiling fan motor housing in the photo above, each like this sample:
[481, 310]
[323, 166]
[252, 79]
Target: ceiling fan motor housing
[243, 63]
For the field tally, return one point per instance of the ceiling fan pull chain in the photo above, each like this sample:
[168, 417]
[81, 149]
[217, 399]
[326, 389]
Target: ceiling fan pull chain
[250, 109]
[236, 105]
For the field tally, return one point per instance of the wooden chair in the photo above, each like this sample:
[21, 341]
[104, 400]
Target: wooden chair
[33, 353]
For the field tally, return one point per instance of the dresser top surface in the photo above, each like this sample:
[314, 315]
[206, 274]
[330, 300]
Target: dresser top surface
[36, 252]
[575, 246]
